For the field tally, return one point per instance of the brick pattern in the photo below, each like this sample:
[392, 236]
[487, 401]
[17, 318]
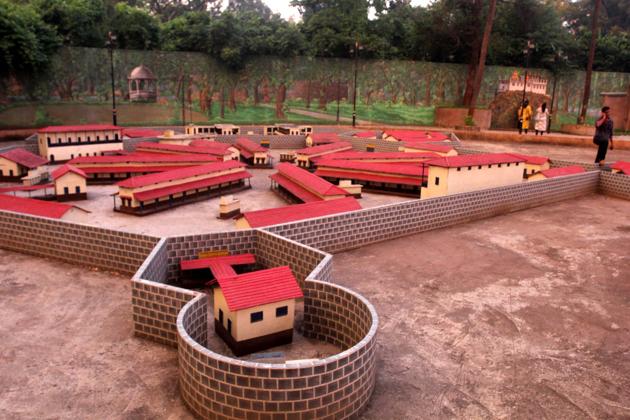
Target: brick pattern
[78, 244]
[155, 267]
[360, 144]
[559, 163]
[31, 144]
[351, 230]
[617, 185]
[275, 142]
[338, 387]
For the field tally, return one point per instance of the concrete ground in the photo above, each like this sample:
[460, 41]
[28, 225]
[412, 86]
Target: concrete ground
[522, 316]
[68, 350]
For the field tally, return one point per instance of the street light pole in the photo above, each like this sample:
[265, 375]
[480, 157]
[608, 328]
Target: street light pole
[111, 38]
[354, 93]
[528, 49]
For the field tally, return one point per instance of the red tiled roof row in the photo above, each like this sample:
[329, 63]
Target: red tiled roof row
[243, 143]
[34, 207]
[325, 148]
[191, 171]
[144, 158]
[24, 157]
[295, 188]
[296, 212]
[79, 128]
[259, 288]
[137, 133]
[410, 156]
[533, 160]
[474, 160]
[131, 169]
[180, 148]
[26, 188]
[374, 167]
[365, 176]
[567, 170]
[239, 259]
[324, 138]
[210, 144]
[306, 179]
[61, 171]
[443, 148]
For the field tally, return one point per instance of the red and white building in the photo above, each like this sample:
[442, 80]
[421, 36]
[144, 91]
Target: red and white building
[302, 186]
[17, 163]
[252, 153]
[305, 156]
[65, 142]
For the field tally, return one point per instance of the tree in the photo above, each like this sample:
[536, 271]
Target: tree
[79, 22]
[170, 9]
[188, 32]
[481, 60]
[135, 28]
[589, 65]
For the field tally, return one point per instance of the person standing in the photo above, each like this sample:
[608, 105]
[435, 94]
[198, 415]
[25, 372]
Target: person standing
[541, 119]
[524, 116]
[603, 135]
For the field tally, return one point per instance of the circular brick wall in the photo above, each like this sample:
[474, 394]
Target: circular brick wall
[216, 386]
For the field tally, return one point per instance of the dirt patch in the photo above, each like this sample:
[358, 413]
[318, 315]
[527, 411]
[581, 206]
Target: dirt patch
[525, 315]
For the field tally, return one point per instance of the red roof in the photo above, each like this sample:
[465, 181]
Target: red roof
[296, 212]
[380, 156]
[364, 176]
[622, 166]
[416, 135]
[243, 143]
[325, 148]
[324, 138]
[295, 189]
[375, 167]
[474, 160]
[59, 172]
[24, 157]
[131, 169]
[567, 170]
[533, 160]
[144, 158]
[208, 144]
[136, 133]
[366, 134]
[239, 259]
[259, 288]
[187, 186]
[308, 180]
[170, 148]
[76, 128]
[26, 188]
[141, 181]
[428, 146]
[33, 207]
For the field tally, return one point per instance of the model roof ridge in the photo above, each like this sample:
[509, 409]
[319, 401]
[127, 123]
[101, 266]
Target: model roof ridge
[23, 157]
[532, 159]
[379, 167]
[286, 214]
[143, 158]
[142, 180]
[141, 132]
[61, 171]
[475, 159]
[376, 155]
[237, 259]
[565, 170]
[32, 206]
[323, 148]
[259, 288]
[184, 148]
[249, 145]
[309, 180]
[209, 144]
[75, 128]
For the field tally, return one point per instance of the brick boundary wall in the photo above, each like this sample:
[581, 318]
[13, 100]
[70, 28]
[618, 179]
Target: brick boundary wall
[354, 229]
[129, 145]
[79, 244]
[616, 185]
[559, 163]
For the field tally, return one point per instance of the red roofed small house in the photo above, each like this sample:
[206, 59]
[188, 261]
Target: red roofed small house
[70, 183]
[621, 167]
[556, 172]
[255, 311]
[304, 156]
[252, 153]
[533, 164]
[16, 163]
[62, 143]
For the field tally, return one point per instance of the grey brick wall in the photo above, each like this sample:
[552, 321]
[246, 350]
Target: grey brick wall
[275, 142]
[129, 145]
[559, 163]
[617, 185]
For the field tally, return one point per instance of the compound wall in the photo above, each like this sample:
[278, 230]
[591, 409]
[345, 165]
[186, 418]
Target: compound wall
[617, 185]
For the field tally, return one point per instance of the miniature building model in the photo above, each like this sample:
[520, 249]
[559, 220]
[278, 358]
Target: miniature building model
[287, 129]
[221, 151]
[138, 133]
[204, 271]
[218, 129]
[304, 156]
[70, 183]
[62, 143]
[252, 153]
[255, 311]
[147, 194]
[142, 85]
[109, 169]
[459, 174]
[533, 164]
[286, 214]
[535, 84]
[229, 207]
[379, 157]
[424, 147]
[354, 189]
[395, 178]
[302, 186]
[556, 172]
[621, 167]
[218, 146]
[33, 207]
[315, 139]
[368, 135]
[16, 163]
[414, 136]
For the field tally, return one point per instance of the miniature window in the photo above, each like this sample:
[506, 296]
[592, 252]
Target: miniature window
[48, 139]
[499, 165]
[518, 163]
[479, 167]
[79, 139]
[524, 172]
[508, 165]
[89, 138]
[77, 189]
[437, 180]
[221, 316]
[115, 136]
[256, 317]
[106, 136]
[282, 311]
[459, 169]
[489, 166]
[98, 138]
[469, 168]
[59, 140]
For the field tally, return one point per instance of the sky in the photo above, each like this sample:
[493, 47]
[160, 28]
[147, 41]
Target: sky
[284, 7]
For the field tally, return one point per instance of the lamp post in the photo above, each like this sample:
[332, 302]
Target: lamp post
[356, 49]
[527, 51]
[111, 39]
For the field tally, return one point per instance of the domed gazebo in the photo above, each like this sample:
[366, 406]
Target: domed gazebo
[142, 85]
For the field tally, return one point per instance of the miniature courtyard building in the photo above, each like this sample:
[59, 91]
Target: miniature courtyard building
[354, 189]
[621, 167]
[142, 85]
[533, 164]
[204, 271]
[147, 194]
[16, 163]
[414, 136]
[219, 150]
[287, 130]
[218, 129]
[379, 157]
[70, 183]
[394, 178]
[62, 143]
[459, 174]
[315, 139]
[217, 146]
[110, 169]
[229, 207]
[302, 186]
[254, 154]
[424, 147]
[304, 156]
[556, 172]
[255, 311]
[286, 214]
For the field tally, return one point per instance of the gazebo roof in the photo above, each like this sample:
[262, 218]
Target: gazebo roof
[141, 72]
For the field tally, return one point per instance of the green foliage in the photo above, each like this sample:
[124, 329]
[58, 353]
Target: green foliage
[135, 28]
[78, 22]
[468, 120]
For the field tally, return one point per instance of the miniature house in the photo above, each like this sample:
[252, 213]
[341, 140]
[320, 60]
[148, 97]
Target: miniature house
[315, 139]
[254, 154]
[70, 183]
[424, 147]
[287, 130]
[142, 85]
[556, 172]
[17, 163]
[621, 167]
[63, 143]
[533, 164]
[255, 311]
[229, 207]
[459, 174]
[300, 185]
[217, 129]
[305, 156]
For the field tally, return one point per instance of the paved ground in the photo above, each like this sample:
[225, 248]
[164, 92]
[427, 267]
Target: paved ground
[525, 315]
[68, 351]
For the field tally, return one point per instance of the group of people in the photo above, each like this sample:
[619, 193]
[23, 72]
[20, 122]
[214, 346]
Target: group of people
[541, 119]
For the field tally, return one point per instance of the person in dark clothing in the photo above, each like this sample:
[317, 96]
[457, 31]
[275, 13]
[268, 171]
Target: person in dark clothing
[603, 135]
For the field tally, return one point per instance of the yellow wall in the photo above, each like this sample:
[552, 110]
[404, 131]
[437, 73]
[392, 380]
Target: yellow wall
[407, 149]
[243, 329]
[70, 180]
[432, 190]
[474, 179]
[260, 155]
[7, 166]
[532, 169]
[537, 177]
[71, 145]
[242, 223]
